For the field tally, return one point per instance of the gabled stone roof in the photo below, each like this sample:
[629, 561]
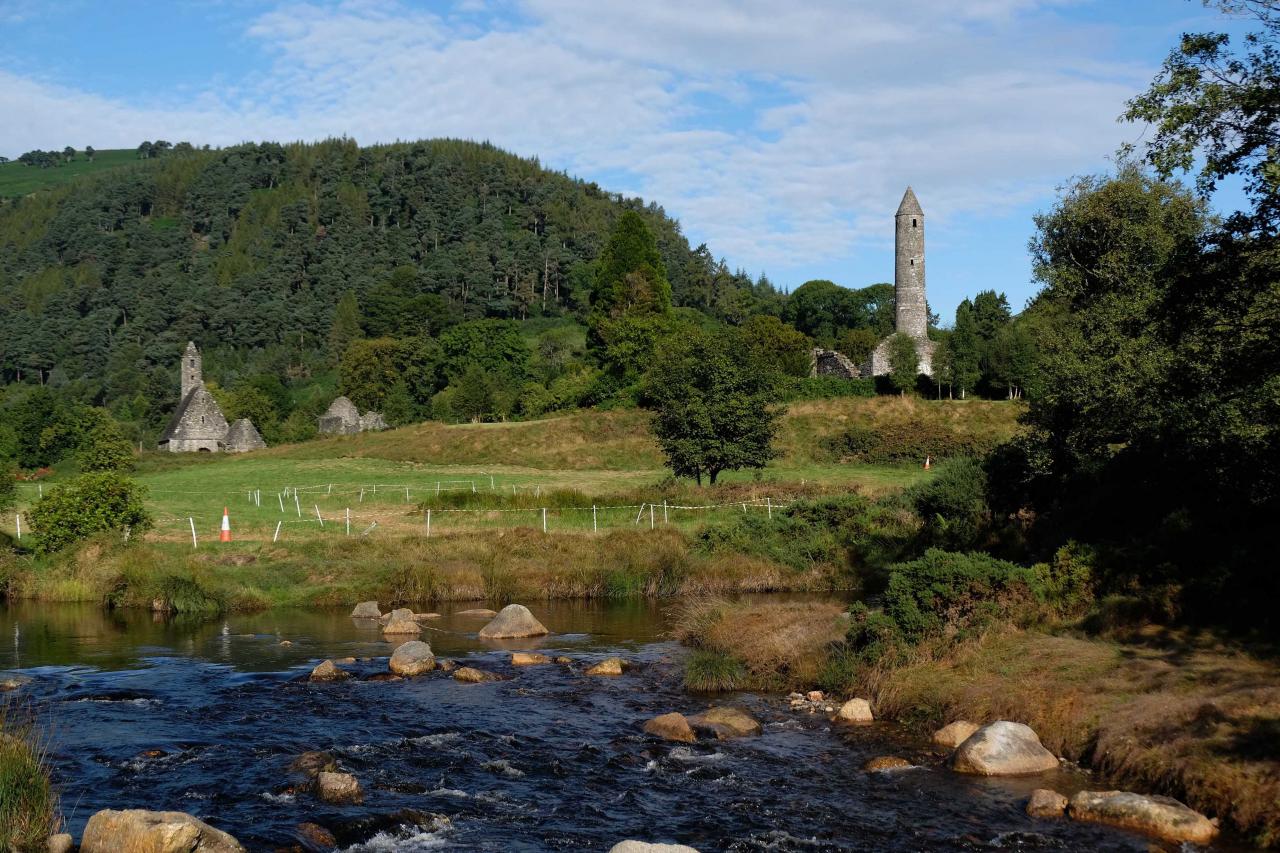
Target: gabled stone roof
[243, 435]
[910, 204]
[343, 408]
[197, 417]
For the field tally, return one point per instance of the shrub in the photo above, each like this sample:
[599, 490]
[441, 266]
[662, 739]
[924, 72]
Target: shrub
[953, 505]
[28, 804]
[104, 448]
[907, 440]
[826, 388]
[805, 533]
[713, 671]
[1068, 580]
[946, 592]
[89, 504]
[8, 487]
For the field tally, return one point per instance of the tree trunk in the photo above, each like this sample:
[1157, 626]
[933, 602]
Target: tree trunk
[714, 472]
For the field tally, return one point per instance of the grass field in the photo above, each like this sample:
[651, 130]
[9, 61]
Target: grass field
[17, 179]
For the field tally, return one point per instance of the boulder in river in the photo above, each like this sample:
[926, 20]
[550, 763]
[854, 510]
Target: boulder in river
[528, 659]
[60, 843]
[855, 711]
[338, 787]
[366, 610]
[328, 671]
[425, 617]
[13, 681]
[396, 614]
[317, 836]
[475, 676]
[402, 627]
[608, 666]
[1003, 749]
[953, 734]
[1046, 803]
[646, 847]
[313, 762]
[479, 612]
[1162, 817]
[564, 660]
[141, 831]
[513, 622]
[725, 722]
[412, 658]
[446, 665]
[673, 726]
[885, 762]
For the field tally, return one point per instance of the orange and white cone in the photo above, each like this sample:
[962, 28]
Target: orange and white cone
[225, 536]
[928, 462]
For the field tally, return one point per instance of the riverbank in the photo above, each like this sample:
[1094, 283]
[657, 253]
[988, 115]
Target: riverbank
[499, 566]
[1181, 714]
[28, 804]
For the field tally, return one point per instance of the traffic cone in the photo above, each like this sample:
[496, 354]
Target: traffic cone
[225, 536]
[928, 462]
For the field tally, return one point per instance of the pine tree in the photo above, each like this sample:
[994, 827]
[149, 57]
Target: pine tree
[965, 349]
[345, 327]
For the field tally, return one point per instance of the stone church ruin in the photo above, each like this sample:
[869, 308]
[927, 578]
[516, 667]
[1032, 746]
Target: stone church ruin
[911, 311]
[198, 425]
[343, 418]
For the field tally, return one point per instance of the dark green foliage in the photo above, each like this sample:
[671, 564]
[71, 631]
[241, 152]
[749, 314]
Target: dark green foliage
[184, 595]
[826, 312]
[904, 362]
[773, 342]
[88, 504]
[953, 505]
[8, 487]
[804, 533]
[472, 395]
[715, 406]
[951, 591]
[906, 440]
[631, 277]
[826, 388]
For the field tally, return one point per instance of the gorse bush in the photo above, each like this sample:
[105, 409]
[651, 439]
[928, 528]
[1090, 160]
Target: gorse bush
[805, 533]
[906, 440]
[953, 505]
[825, 388]
[89, 504]
[950, 592]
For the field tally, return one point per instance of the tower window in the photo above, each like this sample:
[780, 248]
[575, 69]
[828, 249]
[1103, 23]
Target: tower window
[913, 222]
[193, 361]
[913, 262]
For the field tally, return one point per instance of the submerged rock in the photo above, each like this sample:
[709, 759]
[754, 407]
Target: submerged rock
[446, 665]
[316, 835]
[563, 660]
[338, 787]
[13, 681]
[885, 762]
[608, 666]
[953, 734]
[412, 658]
[384, 676]
[855, 711]
[366, 610]
[1003, 749]
[328, 671]
[1046, 803]
[673, 726]
[725, 722]
[475, 676]
[528, 659]
[646, 847]
[314, 762]
[425, 617]
[1162, 817]
[478, 611]
[513, 622]
[141, 831]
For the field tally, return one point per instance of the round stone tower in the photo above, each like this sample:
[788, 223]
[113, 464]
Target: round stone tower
[192, 369]
[912, 314]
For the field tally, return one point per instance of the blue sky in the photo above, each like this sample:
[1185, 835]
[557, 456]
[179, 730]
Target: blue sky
[780, 134]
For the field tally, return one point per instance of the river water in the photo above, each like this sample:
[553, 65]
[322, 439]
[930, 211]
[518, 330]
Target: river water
[205, 717]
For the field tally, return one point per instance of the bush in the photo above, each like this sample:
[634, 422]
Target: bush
[8, 487]
[28, 804]
[89, 504]
[826, 388]
[805, 533]
[104, 448]
[953, 505]
[908, 440]
[713, 672]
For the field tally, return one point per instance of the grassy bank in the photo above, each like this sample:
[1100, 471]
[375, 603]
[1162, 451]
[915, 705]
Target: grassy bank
[1180, 714]
[28, 804]
[498, 566]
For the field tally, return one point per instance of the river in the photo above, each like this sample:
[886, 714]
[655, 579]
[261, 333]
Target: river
[204, 716]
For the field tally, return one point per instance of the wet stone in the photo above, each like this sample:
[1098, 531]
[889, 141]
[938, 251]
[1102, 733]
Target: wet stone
[316, 835]
[313, 762]
[338, 787]
[471, 675]
[328, 671]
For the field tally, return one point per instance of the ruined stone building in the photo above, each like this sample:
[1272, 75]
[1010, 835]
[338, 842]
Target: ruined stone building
[343, 418]
[911, 310]
[198, 424]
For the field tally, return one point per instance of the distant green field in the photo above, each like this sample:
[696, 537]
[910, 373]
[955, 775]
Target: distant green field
[19, 180]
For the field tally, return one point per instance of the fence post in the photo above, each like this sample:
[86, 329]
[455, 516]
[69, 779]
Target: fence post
[638, 514]
[330, 489]
[428, 522]
[348, 521]
[768, 506]
[319, 517]
[664, 510]
[593, 518]
[406, 494]
[361, 495]
[280, 497]
[17, 519]
[296, 503]
[192, 522]
[473, 487]
[650, 516]
[491, 482]
[544, 519]
[277, 536]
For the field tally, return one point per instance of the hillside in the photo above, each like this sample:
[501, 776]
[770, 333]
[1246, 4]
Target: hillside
[248, 250]
[17, 179]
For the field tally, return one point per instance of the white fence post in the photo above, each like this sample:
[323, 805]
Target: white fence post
[17, 519]
[192, 522]
[428, 523]
[664, 510]
[280, 497]
[296, 503]
[544, 519]
[650, 516]
[768, 506]
[348, 521]
[638, 514]
[277, 536]
[319, 517]
[593, 519]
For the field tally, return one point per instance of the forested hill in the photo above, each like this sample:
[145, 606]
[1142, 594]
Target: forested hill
[252, 247]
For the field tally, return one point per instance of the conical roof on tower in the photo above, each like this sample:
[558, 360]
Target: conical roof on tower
[910, 204]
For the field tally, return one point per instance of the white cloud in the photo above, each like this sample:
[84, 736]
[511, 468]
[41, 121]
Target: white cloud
[779, 135]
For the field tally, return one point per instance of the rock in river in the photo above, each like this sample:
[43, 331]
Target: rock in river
[1003, 749]
[1046, 803]
[1162, 817]
[671, 726]
[725, 722]
[855, 711]
[396, 615]
[608, 666]
[13, 681]
[528, 659]
[953, 734]
[140, 831]
[312, 763]
[400, 627]
[513, 622]
[646, 847]
[317, 836]
[60, 843]
[328, 671]
[412, 658]
[475, 676]
[366, 610]
[338, 788]
[886, 762]
[478, 612]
